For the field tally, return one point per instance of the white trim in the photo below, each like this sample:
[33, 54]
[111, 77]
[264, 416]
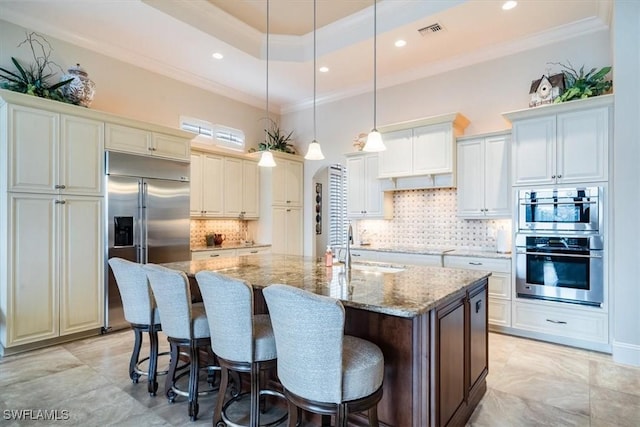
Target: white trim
[628, 354]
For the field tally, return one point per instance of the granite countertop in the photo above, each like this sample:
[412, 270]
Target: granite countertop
[228, 245]
[419, 250]
[408, 293]
[480, 253]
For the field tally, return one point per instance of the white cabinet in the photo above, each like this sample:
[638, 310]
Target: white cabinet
[287, 230]
[562, 143]
[55, 268]
[421, 147]
[253, 250]
[214, 253]
[428, 260]
[288, 183]
[241, 183]
[54, 153]
[499, 283]
[484, 185]
[146, 142]
[365, 198]
[207, 185]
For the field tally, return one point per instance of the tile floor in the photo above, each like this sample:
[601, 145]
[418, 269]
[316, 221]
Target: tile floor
[530, 384]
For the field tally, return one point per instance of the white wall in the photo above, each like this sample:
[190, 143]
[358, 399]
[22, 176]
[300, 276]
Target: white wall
[131, 91]
[480, 92]
[626, 181]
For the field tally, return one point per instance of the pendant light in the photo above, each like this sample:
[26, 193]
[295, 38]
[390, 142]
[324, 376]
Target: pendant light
[374, 140]
[266, 160]
[314, 152]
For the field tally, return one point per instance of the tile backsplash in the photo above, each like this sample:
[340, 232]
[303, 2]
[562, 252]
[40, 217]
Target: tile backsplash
[428, 218]
[234, 230]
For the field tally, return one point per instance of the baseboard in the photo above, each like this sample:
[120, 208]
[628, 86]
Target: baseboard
[628, 354]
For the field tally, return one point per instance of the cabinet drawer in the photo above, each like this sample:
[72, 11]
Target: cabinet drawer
[561, 321]
[478, 263]
[415, 259]
[359, 255]
[217, 253]
[499, 312]
[253, 251]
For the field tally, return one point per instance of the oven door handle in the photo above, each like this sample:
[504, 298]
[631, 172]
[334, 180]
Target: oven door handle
[558, 255]
[581, 202]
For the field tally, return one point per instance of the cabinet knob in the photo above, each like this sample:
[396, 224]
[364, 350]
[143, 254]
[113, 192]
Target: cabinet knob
[553, 176]
[60, 186]
[288, 201]
[60, 202]
[559, 176]
[288, 210]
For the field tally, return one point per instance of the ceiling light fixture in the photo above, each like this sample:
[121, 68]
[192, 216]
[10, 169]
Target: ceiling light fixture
[324, 69]
[266, 160]
[508, 5]
[400, 43]
[218, 55]
[314, 152]
[374, 140]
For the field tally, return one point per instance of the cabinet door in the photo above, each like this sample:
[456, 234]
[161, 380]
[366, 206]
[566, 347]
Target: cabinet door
[33, 150]
[250, 189]
[478, 357]
[81, 156]
[81, 264]
[373, 191]
[433, 149]
[471, 167]
[279, 230]
[32, 294]
[583, 138]
[127, 139]
[232, 187]
[195, 185]
[396, 159]
[213, 182]
[294, 183]
[356, 186]
[170, 146]
[534, 151]
[497, 183]
[294, 231]
[450, 354]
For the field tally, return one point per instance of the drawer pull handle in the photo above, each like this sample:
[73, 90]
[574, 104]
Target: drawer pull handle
[475, 263]
[355, 254]
[559, 322]
[253, 252]
[478, 306]
[214, 255]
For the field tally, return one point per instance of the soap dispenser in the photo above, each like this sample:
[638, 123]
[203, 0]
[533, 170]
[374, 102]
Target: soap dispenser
[328, 262]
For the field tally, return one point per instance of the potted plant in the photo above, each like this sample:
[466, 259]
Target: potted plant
[277, 140]
[33, 79]
[581, 85]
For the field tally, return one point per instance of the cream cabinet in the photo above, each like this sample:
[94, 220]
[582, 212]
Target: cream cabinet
[288, 182]
[146, 142]
[562, 143]
[54, 271]
[421, 147]
[54, 153]
[287, 228]
[484, 186]
[365, 198]
[207, 185]
[241, 183]
[230, 252]
[499, 284]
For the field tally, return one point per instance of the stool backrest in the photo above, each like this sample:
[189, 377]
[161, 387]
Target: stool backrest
[137, 301]
[173, 297]
[229, 306]
[308, 329]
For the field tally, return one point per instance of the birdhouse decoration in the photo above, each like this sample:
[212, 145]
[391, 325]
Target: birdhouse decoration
[546, 89]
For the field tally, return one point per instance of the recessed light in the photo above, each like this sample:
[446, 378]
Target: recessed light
[218, 55]
[323, 69]
[508, 5]
[400, 43]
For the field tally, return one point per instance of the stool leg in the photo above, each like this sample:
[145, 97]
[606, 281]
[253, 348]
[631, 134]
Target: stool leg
[175, 356]
[326, 421]
[137, 333]
[294, 414]
[153, 360]
[222, 391]
[194, 367]
[254, 416]
[373, 416]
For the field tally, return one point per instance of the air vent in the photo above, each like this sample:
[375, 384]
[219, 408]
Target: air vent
[431, 29]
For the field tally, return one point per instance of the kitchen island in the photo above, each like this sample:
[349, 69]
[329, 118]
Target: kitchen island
[430, 322]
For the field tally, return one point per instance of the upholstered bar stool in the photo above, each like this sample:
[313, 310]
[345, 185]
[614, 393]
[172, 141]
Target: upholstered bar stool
[242, 341]
[185, 325]
[321, 369]
[140, 311]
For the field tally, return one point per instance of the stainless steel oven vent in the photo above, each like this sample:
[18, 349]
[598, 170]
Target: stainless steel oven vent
[431, 29]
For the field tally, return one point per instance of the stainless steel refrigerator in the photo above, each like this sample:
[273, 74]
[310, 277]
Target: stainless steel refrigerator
[147, 218]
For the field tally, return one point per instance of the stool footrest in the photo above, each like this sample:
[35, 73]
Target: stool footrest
[269, 392]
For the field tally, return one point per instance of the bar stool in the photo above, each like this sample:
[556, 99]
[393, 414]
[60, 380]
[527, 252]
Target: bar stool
[321, 369]
[140, 311]
[185, 326]
[242, 341]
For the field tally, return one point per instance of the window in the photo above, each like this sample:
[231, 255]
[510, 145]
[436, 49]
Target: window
[338, 222]
[207, 133]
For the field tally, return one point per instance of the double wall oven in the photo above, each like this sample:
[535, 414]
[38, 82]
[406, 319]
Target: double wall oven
[559, 245]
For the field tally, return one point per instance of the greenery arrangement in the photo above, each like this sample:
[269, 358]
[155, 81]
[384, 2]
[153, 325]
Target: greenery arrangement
[34, 78]
[277, 140]
[580, 85]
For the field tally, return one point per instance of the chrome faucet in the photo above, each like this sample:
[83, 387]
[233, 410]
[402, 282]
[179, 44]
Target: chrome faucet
[347, 257]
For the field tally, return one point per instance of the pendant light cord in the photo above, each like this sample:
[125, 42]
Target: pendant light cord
[314, 71]
[375, 2]
[266, 131]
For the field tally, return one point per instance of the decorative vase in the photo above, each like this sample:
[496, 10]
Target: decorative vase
[81, 89]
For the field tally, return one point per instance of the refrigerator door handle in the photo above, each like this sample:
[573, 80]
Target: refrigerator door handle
[144, 217]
